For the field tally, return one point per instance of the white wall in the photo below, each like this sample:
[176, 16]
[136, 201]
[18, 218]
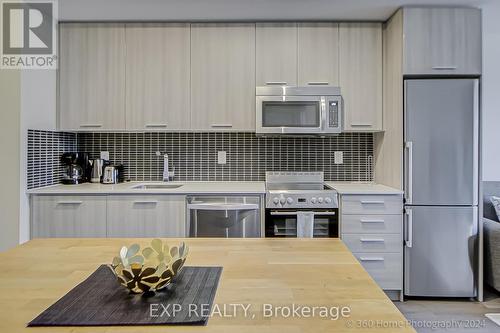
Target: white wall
[491, 91]
[10, 97]
[38, 111]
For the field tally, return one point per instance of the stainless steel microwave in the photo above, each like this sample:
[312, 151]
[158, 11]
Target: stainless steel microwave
[311, 110]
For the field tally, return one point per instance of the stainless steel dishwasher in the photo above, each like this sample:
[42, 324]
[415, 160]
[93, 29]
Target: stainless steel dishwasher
[223, 216]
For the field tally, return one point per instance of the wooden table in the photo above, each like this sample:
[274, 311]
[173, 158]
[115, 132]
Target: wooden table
[280, 272]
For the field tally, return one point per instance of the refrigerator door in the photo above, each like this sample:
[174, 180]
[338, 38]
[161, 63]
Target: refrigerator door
[440, 245]
[441, 141]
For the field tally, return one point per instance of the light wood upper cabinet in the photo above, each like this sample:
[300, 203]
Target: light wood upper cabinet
[146, 216]
[361, 75]
[68, 216]
[92, 76]
[158, 75]
[276, 53]
[442, 40]
[223, 76]
[318, 54]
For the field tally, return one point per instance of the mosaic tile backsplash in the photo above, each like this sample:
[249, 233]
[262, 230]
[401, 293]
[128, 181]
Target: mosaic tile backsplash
[194, 155]
[44, 150]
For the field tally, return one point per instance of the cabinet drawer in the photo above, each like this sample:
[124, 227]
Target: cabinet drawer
[372, 204]
[68, 216]
[386, 224]
[146, 216]
[384, 268]
[373, 242]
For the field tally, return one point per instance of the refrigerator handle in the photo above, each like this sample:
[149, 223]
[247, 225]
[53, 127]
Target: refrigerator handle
[409, 227]
[409, 185]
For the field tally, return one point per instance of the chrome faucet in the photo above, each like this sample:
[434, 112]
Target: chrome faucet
[166, 173]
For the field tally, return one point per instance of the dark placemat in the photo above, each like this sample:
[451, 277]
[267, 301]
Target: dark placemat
[101, 301]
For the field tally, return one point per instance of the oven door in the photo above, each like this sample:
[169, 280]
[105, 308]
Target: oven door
[283, 223]
[290, 114]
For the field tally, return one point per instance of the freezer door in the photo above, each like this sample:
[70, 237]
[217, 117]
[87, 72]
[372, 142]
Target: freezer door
[441, 141]
[440, 251]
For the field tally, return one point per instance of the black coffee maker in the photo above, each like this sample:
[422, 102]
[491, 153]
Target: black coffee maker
[76, 168]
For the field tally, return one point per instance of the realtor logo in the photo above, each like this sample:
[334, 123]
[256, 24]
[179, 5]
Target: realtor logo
[28, 34]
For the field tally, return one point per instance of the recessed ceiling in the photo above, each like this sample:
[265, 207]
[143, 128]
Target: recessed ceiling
[237, 10]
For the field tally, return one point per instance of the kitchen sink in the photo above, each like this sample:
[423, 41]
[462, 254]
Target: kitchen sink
[156, 186]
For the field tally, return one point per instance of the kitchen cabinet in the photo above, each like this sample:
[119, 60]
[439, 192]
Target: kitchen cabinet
[360, 68]
[442, 41]
[146, 216]
[92, 76]
[318, 54]
[372, 228]
[158, 76]
[68, 216]
[276, 54]
[223, 76]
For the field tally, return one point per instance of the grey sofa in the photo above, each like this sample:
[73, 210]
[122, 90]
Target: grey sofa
[491, 228]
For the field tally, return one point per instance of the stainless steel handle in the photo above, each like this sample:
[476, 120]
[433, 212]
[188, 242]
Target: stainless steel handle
[145, 202]
[361, 125]
[74, 202]
[372, 202]
[475, 166]
[276, 83]
[444, 68]
[90, 125]
[372, 240]
[155, 125]
[371, 259]
[409, 214]
[296, 213]
[318, 83]
[222, 125]
[222, 207]
[371, 221]
[409, 189]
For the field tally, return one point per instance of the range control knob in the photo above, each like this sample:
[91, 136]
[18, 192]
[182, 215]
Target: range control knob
[320, 200]
[313, 200]
[276, 200]
[282, 200]
[328, 200]
[289, 200]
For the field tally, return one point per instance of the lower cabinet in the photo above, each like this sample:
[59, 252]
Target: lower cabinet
[91, 216]
[372, 228]
[146, 216]
[68, 216]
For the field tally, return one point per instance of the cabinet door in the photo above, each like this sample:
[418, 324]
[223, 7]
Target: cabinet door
[158, 74]
[68, 216]
[442, 41]
[146, 216]
[276, 53]
[318, 54]
[361, 75]
[92, 76]
[223, 76]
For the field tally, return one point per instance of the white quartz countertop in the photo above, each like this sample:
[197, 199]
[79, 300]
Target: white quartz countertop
[362, 188]
[128, 188]
[208, 187]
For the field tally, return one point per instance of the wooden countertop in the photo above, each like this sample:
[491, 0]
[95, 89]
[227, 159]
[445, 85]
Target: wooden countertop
[281, 272]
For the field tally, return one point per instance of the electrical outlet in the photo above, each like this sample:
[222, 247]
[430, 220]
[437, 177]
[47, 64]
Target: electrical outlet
[221, 157]
[105, 155]
[339, 157]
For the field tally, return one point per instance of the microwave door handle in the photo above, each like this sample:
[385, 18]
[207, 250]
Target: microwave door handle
[322, 125]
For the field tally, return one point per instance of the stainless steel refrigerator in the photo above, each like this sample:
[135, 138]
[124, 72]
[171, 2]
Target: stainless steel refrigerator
[441, 134]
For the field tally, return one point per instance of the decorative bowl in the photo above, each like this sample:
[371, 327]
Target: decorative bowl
[151, 269]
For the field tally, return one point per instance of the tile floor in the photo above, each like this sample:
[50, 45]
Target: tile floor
[459, 315]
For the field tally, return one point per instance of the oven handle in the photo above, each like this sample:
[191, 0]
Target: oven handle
[295, 213]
